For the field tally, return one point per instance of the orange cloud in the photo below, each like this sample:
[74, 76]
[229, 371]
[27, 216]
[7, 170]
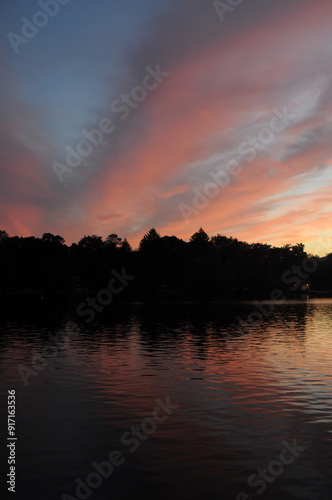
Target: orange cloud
[193, 123]
[188, 118]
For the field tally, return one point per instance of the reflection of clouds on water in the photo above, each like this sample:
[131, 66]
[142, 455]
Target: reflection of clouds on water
[240, 396]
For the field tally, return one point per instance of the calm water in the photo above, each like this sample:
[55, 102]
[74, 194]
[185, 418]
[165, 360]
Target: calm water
[236, 396]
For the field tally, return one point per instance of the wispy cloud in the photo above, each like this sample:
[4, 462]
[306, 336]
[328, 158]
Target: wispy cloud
[225, 81]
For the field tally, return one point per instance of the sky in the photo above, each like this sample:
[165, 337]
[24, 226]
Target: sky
[119, 116]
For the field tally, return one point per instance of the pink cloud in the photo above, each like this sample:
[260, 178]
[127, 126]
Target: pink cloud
[212, 95]
[210, 102]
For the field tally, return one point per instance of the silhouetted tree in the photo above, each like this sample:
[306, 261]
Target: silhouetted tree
[3, 234]
[50, 238]
[91, 243]
[125, 246]
[200, 243]
[203, 268]
[200, 237]
[150, 237]
[113, 241]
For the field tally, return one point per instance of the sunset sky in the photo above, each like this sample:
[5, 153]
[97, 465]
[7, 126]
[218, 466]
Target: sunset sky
[222, 88]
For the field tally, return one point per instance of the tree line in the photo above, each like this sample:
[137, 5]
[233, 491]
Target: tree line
[165, 267]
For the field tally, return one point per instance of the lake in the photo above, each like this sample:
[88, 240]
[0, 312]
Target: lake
[171, 401]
